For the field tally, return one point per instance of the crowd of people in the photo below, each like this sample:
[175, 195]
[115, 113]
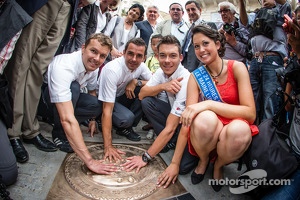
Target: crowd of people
[202, 87]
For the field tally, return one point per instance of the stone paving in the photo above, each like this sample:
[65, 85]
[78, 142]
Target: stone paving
[36, 176]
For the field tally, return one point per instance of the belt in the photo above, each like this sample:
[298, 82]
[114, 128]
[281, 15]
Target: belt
[262, 54]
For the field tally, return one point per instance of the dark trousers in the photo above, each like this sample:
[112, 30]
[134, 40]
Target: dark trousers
[157, 112]
[127, 112]
[85, 107]
[8, 163]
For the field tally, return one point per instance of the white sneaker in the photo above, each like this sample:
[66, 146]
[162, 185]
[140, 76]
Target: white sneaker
[150, 134]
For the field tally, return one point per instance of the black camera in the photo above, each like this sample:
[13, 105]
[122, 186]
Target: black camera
[229, 28]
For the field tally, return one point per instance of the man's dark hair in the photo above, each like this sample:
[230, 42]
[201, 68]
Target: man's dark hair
[175, 3]
[169, 39]
[156, 36]
[137, 42]
[195, 2]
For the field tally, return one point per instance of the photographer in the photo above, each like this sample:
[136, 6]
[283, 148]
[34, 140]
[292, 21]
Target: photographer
[293, 84]
[236, 34]
[286, 192]
[269, 47]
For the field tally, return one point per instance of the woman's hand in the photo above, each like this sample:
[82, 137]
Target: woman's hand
[168, 176]
[192, 111]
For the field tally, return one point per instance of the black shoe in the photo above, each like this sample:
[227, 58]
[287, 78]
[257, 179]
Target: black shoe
[168, 147]
[41, 143]
[4, 194]
[63, 145]
[147, 127]
[129, 134]
[196, 178]
[216, 187]
[19, 150]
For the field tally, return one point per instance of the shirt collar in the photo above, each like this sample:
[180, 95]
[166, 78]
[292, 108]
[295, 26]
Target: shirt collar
[81, 67]
[97, 3]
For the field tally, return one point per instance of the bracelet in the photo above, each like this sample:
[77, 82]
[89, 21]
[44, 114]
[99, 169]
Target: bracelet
[92, 119]
[147, 155]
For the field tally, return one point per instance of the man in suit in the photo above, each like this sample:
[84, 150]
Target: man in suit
[190, 60]
[147, 27]
[175, 26]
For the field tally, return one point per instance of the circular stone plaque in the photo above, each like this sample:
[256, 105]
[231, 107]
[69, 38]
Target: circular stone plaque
[117, 186]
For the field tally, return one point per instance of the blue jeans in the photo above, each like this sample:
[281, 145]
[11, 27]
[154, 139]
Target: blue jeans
[264, 84]
[286, 192]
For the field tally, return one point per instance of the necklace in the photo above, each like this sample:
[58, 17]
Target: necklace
[215, 77]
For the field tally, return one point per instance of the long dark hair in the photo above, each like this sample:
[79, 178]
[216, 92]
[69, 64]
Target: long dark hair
[212, 34]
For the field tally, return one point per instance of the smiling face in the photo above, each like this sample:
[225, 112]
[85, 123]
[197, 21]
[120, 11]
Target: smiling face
[152, 14]
[206, 49]
[169, 58]
[134, 13]
[193, 12]
[134, 56]
[176, 13]
[94, 54]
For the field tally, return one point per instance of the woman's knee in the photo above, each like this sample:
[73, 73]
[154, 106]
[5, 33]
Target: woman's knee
[204, 125]
[239, 134]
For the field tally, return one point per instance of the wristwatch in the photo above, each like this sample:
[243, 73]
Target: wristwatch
[139, 83]
[146, 157]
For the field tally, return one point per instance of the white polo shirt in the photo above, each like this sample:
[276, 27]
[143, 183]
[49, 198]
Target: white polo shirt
[177, 101]
[63, 70]
[115, 76]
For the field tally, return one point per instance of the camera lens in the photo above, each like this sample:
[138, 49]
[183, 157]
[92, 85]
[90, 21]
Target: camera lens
[227, 28]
